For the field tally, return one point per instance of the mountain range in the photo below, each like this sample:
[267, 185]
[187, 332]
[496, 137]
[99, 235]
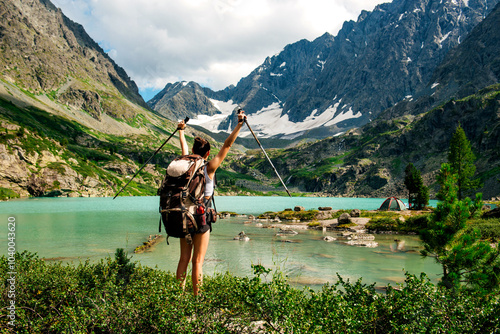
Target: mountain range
[370, 160]
[72, 121]
[348, 111]
[334, 83]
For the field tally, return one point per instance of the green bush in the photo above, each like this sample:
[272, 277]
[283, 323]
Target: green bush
[418, 222]
[412, 224]
[6, 193]
[385, 224]
[338, 213]
[115, 295]
[301, 215]
[489, 228]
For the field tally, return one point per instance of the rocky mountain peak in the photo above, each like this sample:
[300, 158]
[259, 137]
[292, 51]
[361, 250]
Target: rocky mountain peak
[182, 99]
[43, 51]
[335, 83]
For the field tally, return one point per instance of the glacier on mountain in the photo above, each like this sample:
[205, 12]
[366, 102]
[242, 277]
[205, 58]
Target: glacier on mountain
[270, 121]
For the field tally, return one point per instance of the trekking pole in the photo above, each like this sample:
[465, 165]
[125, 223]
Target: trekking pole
[159, 148]
[262, 148]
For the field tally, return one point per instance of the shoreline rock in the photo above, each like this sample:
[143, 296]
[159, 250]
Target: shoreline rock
[152, 240]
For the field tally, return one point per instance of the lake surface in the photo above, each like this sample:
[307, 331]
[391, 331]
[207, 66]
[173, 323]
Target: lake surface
[76, 229]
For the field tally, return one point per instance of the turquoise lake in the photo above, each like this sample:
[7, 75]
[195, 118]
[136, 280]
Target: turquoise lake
[77, 229]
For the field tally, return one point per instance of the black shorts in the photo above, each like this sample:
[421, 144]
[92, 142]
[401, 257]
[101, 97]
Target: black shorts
[204, 228]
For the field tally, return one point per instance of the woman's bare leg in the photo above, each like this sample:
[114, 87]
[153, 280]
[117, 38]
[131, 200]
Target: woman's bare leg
[184, 260]
[200, 242]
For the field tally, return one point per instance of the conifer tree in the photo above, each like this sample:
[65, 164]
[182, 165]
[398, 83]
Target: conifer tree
[464, 256]
[461, 159]
[418, 193]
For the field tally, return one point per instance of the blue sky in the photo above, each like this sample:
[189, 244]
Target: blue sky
[212, 42]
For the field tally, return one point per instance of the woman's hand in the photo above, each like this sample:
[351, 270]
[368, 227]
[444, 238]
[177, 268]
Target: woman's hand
[181, 125]
[241, 116]
[184, 146]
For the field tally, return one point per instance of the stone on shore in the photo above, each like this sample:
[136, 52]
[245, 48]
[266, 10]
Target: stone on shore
[344, 218]
[355, 213]
[324, 215]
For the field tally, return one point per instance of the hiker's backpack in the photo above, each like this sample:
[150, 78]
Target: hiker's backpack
[183, 207]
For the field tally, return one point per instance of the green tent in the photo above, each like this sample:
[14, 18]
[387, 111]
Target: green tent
[393, 203]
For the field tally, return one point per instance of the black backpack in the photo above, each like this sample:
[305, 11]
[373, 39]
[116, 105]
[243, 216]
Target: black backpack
[183, 207]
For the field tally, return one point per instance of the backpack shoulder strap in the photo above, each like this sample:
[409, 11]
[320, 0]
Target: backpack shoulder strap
[199, 163]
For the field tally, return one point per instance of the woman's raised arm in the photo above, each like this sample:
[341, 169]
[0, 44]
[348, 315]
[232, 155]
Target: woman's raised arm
[184, 146]
[217, 160]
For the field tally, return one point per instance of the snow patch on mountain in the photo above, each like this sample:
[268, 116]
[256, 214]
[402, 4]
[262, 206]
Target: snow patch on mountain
[270, 121]
[343, 116]
[212, 122]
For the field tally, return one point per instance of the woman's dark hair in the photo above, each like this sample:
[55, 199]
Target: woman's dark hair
[201, 146]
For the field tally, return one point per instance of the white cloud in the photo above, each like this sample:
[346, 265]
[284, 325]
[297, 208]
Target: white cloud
[212, 42]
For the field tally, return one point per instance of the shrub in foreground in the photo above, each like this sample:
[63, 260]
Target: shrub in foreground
[113, 296]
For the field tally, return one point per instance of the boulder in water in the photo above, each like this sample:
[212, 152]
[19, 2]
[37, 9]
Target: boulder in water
[241, 236]
[286, 231]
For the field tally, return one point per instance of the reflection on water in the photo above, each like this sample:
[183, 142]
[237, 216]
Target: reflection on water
[72, 229]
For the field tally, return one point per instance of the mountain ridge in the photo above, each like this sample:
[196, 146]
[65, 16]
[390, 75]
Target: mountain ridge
[72, 122]
[385, 57]
[67, 130]
[370, 161]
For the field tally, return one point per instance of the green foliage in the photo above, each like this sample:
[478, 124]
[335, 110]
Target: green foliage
[489, 228]
[6, 193]
[300, 215]
[473, 262]
[225, 177]
[418, 222]
[389, 224]
[84, 150]
[418, 193]
[56, 185]
[90, 154]
[373, 214]
[461, 159]
[124, 267]
[41, 122]
[338, 213]
[91, 298]
[466, 259]
[58, 166]
[412, 224]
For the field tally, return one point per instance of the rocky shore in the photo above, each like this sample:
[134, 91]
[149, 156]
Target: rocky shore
[350, 228]
[150, 242]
